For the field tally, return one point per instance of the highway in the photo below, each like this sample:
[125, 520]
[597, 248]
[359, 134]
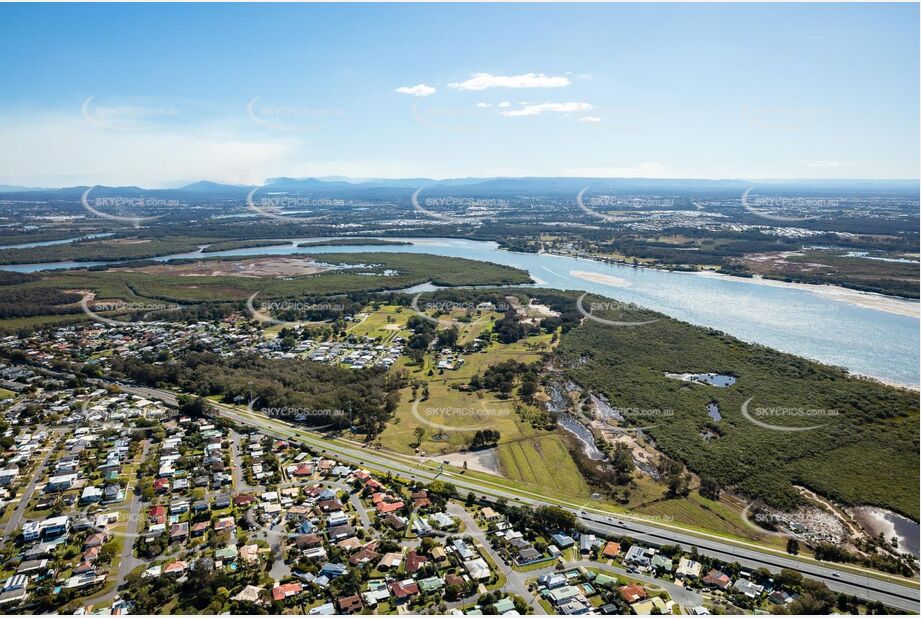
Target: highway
[868, 586]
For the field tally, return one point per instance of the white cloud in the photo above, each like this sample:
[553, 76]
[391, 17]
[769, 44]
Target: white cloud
[419, 90]
[505, 104]
[484, 104]
[482, 81]
[559, 108]
[164, 155]
[589, 119]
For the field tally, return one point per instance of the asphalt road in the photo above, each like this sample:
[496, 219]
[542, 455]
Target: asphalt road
[128, 562]
[865, 587]
[889, 592]
[515, 581]
[16, 519]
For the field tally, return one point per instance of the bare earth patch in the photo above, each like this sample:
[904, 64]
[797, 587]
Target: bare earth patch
[481, 461]
[127, 241]
[255, 268]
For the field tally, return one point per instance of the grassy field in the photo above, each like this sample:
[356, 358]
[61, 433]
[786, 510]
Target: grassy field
[695, 510]
[544, 461]
[457, 415]
[387, 322]
[449, 417]
[449, 414]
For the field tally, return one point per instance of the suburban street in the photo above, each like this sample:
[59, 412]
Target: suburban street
[16, 519]
[515, 580]
[127, 562]
[838, 578]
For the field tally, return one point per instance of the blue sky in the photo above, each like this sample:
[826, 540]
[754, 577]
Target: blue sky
[156, 95]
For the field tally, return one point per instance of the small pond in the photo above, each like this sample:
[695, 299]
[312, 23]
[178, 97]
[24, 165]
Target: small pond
[714, 411]
[713, 379]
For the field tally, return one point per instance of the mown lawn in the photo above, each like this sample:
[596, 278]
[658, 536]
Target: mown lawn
[387, 322]
[544, 461]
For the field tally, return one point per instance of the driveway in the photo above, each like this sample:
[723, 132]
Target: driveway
[16, 520]
[515, 581]
[685, 598]
[128, 561]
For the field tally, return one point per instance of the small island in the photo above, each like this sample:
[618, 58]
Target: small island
[349, 242]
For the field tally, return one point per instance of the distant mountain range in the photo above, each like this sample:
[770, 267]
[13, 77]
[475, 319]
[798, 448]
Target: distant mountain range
[396, 187]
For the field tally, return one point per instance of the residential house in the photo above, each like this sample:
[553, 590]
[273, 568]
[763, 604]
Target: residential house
[404, 590]
[717, 579]
[688, 568]
[563, 541]
[632, 593]
[349, 604]
[611, 550]
[284, 591]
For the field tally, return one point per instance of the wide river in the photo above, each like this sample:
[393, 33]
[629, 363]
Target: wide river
[807, 322]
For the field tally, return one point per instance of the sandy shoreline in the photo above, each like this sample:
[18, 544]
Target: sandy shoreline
[600, 278]
[869, 300]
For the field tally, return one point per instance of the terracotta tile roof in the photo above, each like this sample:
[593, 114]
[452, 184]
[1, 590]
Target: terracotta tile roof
[631, 593]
